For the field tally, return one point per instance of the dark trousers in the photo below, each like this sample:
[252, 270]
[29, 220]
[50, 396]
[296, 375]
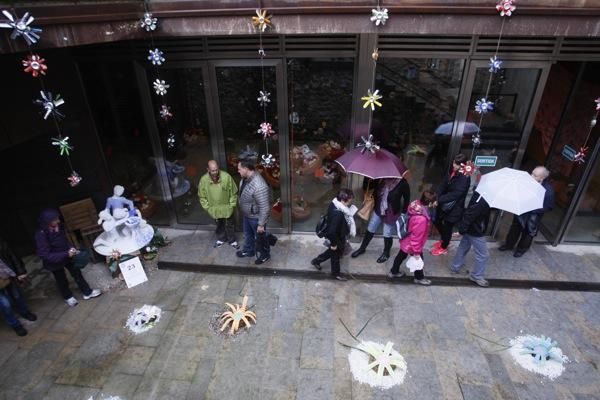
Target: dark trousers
[253, 242]
[12, 296]
[63, 285]
[225, 229]
[399, 259]
[335, 256]
[445, 229]
[519, 236]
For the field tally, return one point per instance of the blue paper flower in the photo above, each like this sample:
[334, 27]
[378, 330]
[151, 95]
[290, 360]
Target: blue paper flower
[148, 22]
[156, 57]
[483, 106]
[171, 141]
[495, 64]
[21, 27]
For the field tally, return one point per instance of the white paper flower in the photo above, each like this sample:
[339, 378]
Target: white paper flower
[268, 160]
[483, 106]
[148, 22]
[49, 104]
[379, 15]
[368, 144]
[377, 365]
[495, 64]
[171, 141]
[538, 354]
[21, 27]
[156, 57]
[143, 319]
[160, 87]
[263, 99]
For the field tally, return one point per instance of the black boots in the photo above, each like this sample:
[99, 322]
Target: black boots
[387, 246]
[363, 245]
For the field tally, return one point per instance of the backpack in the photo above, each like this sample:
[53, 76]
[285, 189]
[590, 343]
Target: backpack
[402, 226]
[322, 226]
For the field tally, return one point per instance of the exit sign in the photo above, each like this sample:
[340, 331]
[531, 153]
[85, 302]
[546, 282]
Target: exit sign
[486, 161]
[569, 152]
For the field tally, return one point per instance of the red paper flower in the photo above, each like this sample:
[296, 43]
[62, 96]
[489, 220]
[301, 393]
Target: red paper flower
[506, 7]
[35, 65]
[579, 157]
[74, 179]
[468, 168]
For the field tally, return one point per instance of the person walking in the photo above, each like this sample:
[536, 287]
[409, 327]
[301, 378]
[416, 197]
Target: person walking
[340, 225]
[525, 227]
[56, 253]
[418, 228]
[13, 274]
[218, 196]
[255, 202]
[451, 195]
[392, 196]
[473, 226]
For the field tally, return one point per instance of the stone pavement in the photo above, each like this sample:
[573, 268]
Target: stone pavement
[293, 351]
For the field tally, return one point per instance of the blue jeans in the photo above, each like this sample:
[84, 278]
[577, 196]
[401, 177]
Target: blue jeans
[482, 255]
[254, 243]
[9, 296]
[388, 229]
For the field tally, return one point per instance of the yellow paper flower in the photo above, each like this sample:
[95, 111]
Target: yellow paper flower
[371, 99]
[261, 20]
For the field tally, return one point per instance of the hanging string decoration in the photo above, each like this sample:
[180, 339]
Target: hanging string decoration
[495, 65]
[368, 144]
[263, 98]
[597, 101]
[372, 99]
[20, 27]
[35, 65]
[506, 7]
[156, 57]
[268, 160]
[379, 15]
[74, 179]
[266, 130]
[63, 145]
[579, 157]
[483, 106]
[50, 104]
[261, 21]
[165, 112]
[468, 168]
[148, 22]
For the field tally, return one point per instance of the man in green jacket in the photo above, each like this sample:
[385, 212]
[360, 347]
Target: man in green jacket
[218, 196]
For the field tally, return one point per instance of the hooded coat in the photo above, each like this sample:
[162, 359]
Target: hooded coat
[51, 247]
[418, 226]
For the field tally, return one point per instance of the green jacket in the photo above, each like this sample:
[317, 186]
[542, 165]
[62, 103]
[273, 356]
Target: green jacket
[218, 199]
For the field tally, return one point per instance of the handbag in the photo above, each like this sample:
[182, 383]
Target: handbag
[4, 282]
[367, 206]
[445, 207]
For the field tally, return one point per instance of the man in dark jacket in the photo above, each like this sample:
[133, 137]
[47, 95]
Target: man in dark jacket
[472, 226]
[338, 215]
[12, 268]
[57, 253]
[525, 226]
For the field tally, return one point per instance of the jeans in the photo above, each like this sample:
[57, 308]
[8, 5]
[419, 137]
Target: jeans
[519, 236]
[482, 255]
[445, 229]
[225, 230]
[63, 285]
[255, 243]
[9, 296]
[335, 256]
[388, 229]
[419, 274]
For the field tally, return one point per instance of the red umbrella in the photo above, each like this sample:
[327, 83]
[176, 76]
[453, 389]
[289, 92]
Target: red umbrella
[371, 161]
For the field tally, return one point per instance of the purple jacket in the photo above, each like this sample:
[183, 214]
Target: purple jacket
[51, 247]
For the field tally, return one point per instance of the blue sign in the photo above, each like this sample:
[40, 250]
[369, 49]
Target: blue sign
[569, 152]
[486, 161]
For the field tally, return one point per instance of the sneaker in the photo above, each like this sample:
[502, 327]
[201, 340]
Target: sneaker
[95, 293]
[481, 282]
[438, 251]
[391, 275]
[29, 316]
[316, 264]
[436, 245]
[340, 278]
[218, 243]
[424, 282]
[382, 258]
[72, 301]
[242, 254]
[20, 330]
[235, 245]
[262, 260]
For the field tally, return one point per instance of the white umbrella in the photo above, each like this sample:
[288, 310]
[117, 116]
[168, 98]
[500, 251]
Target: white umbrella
[446, 129]
[511, 190]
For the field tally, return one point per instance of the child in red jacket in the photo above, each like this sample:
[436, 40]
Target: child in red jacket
[418, 228]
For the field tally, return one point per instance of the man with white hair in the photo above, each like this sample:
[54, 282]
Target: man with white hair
[525, 226]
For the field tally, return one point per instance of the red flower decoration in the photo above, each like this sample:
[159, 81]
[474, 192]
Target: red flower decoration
[35, 65]
[74, 179]
[579, 157]
[468, 168]
[506, 7]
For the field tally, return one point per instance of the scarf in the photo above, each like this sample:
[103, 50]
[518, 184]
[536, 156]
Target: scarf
[388, 185]
[6, 271]
[348, 215]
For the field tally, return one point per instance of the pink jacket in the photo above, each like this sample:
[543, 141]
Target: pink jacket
[418, 226]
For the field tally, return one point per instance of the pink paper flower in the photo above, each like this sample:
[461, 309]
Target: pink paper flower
[35, 65]
[506, 7]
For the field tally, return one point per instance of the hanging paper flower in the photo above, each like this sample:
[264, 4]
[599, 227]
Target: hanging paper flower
[263, 99]
[49, 104]
[160, 87]
[63, 145]
[597, 103]
[21, 27]
[171, 141]
[35, 65]
[579, 157]
[506, 7]
[261, 52]
[371, 99]
[375, 54]
[476, 140]
[148, 22]
[266, 130]
[495, 64]
[156, 57]
[379, 16]
[165, 112]
[261, 20]
[467, 168]
[74, 179]
[268, 160]
[483, 106]
[368, 145]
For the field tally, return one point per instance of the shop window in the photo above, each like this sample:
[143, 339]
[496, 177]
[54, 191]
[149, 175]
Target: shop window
[585, 225]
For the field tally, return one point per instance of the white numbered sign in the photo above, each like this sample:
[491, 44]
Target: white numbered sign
[133, 272]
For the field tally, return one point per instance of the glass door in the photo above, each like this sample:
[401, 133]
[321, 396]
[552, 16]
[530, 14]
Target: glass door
[515, 91]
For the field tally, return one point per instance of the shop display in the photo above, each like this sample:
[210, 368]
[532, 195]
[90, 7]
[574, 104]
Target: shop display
[300, 209]
[177, 181]
[330, 149]
[304, 160]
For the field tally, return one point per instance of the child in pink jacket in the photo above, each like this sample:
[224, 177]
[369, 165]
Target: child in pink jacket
[418, 228]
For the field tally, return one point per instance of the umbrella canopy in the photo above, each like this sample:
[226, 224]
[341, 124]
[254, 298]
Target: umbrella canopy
[446, 129]
[375, 165]
[511, 190]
